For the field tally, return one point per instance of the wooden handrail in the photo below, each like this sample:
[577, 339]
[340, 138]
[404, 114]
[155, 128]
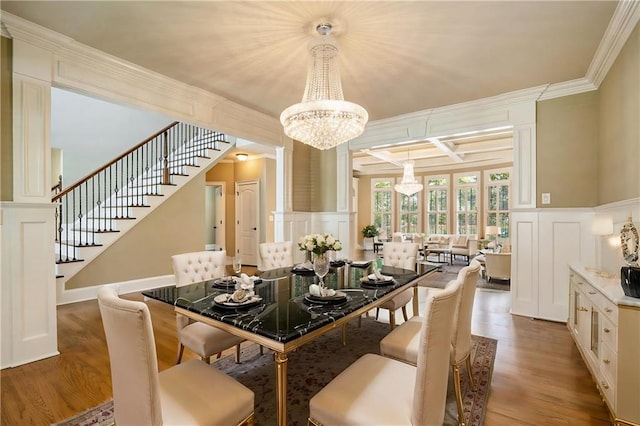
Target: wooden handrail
[95, 172]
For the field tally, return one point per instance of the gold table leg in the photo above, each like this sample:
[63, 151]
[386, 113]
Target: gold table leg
[415, 301]
[281, 386]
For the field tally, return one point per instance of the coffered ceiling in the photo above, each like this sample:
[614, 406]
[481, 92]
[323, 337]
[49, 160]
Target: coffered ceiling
[397, 57]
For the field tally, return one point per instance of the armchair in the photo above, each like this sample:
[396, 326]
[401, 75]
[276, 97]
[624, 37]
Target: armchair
[463, 245]
[498, 265]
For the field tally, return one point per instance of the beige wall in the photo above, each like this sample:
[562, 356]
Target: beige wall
[176, 226]
[314, 174]
[619, 126]
[567, 140]
[261, 169]
[6, 131]
[225, 172]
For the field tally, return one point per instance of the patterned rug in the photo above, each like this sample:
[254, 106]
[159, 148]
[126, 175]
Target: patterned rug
[314, 365]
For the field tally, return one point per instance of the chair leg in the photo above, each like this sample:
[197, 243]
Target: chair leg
[180, 352]
[404, 313]
[206, 359]
[377, 312]
[392, 319]
[456, 384]
[238, 354]
[219, 355]
[360, 321]
[261, 350]
[344, 335]
[470, 373]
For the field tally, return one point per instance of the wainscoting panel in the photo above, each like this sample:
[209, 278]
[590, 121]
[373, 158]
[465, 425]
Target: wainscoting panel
[29, 328]
[564, 237]
[524, 263]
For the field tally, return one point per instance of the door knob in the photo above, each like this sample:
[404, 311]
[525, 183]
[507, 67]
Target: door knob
[255, 229]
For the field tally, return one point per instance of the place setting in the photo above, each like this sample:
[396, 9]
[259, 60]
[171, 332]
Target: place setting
[376, 279]
[243, 295]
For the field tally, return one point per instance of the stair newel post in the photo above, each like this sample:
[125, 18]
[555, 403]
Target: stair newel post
[165, 156]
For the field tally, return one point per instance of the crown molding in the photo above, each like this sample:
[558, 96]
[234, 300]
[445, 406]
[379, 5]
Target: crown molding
[623, 22]
[566, 88]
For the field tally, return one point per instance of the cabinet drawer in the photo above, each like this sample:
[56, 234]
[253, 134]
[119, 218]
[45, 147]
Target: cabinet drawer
[608, 332]
[609, 309]
[592, 294]
[608, 390]
[608, 365]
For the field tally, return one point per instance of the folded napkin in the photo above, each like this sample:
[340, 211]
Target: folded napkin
[378, 276]
[360, 262]
[306, 265]
[245, 282]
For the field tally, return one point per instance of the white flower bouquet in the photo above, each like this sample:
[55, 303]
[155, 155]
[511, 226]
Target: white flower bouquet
[319, 243]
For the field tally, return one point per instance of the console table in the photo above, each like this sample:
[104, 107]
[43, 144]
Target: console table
[605, 324]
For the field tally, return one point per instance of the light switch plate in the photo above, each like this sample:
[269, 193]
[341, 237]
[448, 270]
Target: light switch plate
[546, 198]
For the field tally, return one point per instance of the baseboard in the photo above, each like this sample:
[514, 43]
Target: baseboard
[91, 293]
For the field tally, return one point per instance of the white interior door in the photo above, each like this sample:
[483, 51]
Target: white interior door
[214, 216]
[247, 221]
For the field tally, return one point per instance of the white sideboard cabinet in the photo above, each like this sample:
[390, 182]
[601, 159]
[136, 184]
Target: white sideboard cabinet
[605, 325]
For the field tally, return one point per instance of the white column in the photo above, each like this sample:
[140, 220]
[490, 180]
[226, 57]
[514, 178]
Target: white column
[29, 329]
[284, 165]
[344, 199]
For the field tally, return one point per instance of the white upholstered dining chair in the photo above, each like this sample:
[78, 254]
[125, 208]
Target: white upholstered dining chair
[403, 343]
[400, 255]
[192, 393]
[377, 390]
[203, 339]
[275, 255]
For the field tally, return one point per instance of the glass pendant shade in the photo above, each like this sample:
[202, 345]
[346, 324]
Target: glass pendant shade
[323, 119]
[409, 185]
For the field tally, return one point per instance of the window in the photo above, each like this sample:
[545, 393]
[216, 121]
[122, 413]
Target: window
[498, 190]
[437, 204]
[382, 204]
[409, 213]
[466, 190]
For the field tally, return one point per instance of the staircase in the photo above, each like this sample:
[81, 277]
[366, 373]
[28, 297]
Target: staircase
[95, 212]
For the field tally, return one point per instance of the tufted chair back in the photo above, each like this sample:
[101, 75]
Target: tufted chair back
[190, 268]
[276, 255]
[400, 255]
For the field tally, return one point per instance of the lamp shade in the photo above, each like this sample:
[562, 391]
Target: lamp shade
[602, 225]
[492, 230]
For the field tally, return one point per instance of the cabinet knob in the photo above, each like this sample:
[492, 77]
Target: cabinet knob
[606, 361]
[605, 385]
[609, 310]
[580, 282]
[607, 330]
[593, 292]
[583, 309]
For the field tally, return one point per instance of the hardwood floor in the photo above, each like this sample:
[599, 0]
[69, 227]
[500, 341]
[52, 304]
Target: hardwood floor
[539, 377]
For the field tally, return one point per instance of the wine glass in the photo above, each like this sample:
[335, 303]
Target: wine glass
[321, 267]
[237, 264]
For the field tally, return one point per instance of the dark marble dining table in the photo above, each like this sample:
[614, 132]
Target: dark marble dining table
[287, 316]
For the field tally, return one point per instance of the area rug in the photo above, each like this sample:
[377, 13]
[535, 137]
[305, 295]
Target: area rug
[314, 365]
[447, 273]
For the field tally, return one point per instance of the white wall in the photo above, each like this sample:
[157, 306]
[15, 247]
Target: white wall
[91, 131]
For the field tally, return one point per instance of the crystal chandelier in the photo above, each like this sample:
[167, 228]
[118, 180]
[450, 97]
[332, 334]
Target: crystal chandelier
[409, 185]
[323, 119]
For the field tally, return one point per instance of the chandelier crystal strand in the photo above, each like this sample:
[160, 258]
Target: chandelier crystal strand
[323, 119]
[409, 185]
